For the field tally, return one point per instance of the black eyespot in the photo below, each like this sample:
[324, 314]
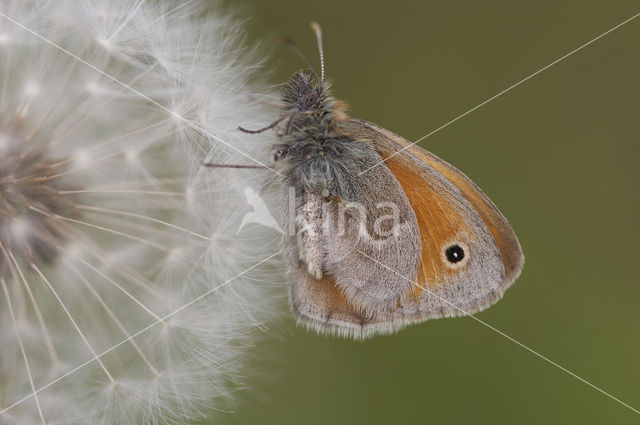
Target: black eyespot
[309, 99]
[277, 154]
[454, 253]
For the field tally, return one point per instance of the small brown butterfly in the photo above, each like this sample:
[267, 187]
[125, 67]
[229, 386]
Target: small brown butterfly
[383, 233]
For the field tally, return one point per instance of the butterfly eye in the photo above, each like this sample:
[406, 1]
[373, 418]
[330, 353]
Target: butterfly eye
[277, 154]
[309, 99]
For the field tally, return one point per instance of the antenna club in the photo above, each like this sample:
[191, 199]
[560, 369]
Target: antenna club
[316, 28]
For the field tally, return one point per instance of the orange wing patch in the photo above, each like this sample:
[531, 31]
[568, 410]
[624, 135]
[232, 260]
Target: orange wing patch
[506, 240]
[321, 304]
[503, 235]
[438, 222]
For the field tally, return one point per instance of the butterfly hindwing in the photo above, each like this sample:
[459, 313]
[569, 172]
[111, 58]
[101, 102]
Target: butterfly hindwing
[352, 234]
[450, 212]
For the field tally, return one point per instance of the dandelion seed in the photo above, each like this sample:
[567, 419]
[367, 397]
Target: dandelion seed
[110, 227]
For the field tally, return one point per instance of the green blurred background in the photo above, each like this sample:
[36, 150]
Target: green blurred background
[558, 155]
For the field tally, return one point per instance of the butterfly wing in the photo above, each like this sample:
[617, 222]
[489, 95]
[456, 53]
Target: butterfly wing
[352, 232]
[451, 211]
[321, 305]
[365, 291]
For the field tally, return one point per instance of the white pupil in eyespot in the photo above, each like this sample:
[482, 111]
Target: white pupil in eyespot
[454, 253]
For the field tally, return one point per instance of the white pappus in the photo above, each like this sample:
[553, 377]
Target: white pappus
[125, 294]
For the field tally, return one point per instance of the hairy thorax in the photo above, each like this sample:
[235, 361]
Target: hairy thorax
[310, 149]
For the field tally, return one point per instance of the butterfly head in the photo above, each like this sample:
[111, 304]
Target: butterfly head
[307, 137]
[303, 92]
[307, 94]
[306, 98]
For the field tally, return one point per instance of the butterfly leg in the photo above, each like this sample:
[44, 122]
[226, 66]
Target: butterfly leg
[309, 233]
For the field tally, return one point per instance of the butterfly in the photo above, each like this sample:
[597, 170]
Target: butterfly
[380, 232]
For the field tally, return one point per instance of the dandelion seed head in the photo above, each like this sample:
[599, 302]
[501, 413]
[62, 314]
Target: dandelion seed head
[82, 158]
[121, 274]
[19, 228]
[29, 202]
[175, 255]
[94, 88]
[31, 89]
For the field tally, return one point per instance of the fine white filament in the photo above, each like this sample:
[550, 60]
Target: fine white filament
[128, 295]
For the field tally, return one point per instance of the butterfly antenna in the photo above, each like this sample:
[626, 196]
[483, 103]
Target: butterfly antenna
[214, 165]
[316, 28]
[294, 46]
